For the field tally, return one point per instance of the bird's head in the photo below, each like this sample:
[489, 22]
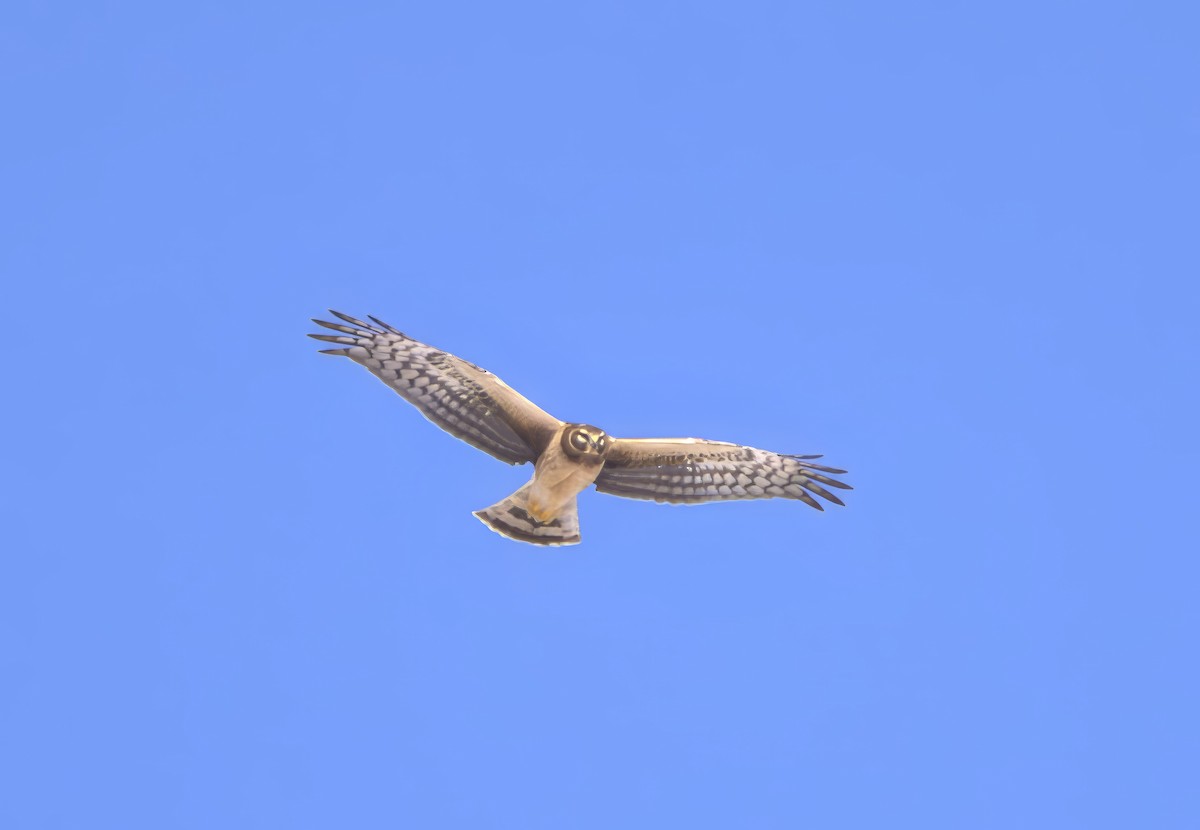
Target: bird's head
[585, 441]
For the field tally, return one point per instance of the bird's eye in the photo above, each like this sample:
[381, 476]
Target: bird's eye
[579, 441]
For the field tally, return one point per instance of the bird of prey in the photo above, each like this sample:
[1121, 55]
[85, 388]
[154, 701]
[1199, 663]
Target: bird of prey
[476, 406]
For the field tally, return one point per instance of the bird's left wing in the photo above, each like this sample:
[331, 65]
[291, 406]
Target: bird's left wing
[468, 402]
[693, 470]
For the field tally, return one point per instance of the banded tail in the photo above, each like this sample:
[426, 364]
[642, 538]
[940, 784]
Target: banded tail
[510, 517]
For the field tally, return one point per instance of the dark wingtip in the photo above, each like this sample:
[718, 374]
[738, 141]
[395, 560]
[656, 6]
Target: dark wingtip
[823, 493]
[335, 338]
[384, 325]
[354, 321]
[830, 482]
[834, 470]
[810, 501]
[821, 467]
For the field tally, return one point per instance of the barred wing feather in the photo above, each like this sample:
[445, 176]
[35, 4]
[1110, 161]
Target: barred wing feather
[693, 470]
[468, 402]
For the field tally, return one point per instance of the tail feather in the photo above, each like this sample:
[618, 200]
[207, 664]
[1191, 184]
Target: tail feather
[510, 517]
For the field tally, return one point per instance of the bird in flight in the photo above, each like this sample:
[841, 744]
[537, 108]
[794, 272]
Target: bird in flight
[476, 406]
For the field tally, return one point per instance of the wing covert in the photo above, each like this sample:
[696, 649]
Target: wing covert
[467, 401]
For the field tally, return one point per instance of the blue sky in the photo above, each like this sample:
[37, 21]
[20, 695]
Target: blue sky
[951, 246]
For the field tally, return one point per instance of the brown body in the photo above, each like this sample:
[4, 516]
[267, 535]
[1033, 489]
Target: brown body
[544, 511]
[558, 478]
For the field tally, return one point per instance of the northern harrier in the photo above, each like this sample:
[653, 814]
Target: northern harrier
[473, 404]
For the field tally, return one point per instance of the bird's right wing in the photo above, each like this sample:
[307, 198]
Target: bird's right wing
[468, 402]
[693, 470]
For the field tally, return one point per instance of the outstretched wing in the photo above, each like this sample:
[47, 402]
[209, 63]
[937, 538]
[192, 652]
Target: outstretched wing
[692, 470]
[468, 402]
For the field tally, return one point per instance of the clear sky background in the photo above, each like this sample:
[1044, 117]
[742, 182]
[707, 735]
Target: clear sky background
[953, 246]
